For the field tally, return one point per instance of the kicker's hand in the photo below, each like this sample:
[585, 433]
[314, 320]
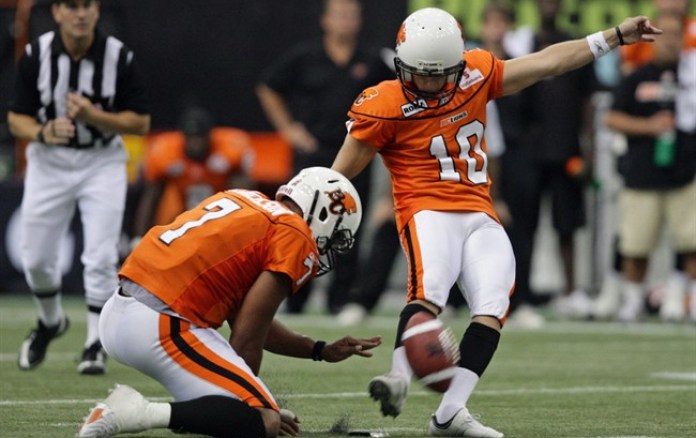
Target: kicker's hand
[349, 346]
[637, 29]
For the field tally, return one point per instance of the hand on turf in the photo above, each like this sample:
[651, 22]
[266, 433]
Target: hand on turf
[289, 423]
[349, 346]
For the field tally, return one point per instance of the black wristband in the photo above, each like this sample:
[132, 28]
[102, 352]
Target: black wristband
[316, 351]
[620, 36]
[40, 136]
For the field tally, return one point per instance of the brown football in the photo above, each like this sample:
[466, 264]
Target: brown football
[431, 350]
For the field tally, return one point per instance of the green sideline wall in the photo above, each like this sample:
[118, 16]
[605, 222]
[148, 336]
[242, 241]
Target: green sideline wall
[578, 16]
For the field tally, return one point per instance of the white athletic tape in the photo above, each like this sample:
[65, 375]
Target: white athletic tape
[423, 327]
[439, 376]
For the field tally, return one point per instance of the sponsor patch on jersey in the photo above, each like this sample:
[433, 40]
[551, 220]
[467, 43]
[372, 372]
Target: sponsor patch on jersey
[469, 78]
[453, 119]
[368, 94]
[410, 109]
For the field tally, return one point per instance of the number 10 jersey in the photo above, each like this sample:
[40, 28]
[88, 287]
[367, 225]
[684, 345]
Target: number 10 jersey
[436, 156]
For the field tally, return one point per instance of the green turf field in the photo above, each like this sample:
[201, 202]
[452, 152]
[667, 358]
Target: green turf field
[568, 380]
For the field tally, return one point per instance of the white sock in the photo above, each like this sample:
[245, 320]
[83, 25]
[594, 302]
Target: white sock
[692, 299]
[457, 396]
[400, 363]
[679, 278]
[158, 415]
[675, 290]
[92, 328]
[50, 309]
[633, 290]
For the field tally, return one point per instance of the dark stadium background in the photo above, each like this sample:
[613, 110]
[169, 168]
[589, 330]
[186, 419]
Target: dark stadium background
[211, 52]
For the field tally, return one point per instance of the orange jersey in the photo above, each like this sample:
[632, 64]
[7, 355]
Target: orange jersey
[436, 157]
[194, 181]
[639, 54]
[203, 264]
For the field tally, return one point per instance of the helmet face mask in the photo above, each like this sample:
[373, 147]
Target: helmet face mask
[430, 45]
[429, 99]
[331, 208]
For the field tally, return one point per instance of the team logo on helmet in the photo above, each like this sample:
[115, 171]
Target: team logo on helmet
[366, 95]
[342, 202]
[401, 35]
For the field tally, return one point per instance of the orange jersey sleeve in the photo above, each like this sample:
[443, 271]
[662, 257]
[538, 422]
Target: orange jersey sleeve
[203, 264]
[436, 157]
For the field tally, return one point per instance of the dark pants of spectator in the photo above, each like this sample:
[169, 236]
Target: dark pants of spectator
[525, 183]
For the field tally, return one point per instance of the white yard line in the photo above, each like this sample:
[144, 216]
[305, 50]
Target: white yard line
[551, 327]
[669, 375]
[490, 393]
[416, 430]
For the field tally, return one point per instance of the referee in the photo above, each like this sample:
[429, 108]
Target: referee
[76, 91]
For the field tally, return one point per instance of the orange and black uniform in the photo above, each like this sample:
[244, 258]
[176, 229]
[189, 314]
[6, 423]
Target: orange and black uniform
[437, 157]
[203, 264]
[188, 182]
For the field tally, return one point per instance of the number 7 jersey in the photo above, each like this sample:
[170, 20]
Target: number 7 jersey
[436, 157]
[203, 264]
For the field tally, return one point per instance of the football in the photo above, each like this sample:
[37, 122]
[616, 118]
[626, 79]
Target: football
[431, 350]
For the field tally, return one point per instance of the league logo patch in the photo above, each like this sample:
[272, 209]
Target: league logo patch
[469, 78]
[368, 94]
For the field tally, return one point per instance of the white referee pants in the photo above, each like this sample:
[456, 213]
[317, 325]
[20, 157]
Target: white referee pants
[58, 180]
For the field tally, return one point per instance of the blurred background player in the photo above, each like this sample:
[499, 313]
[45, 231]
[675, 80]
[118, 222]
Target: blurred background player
[305, 94]
[658, 167]
[76, 91]
[428, 126]
[184, 167]
[234, 258]
[636, 55]
[671, 302]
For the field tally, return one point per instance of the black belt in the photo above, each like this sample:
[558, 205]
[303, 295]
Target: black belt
[96, 144]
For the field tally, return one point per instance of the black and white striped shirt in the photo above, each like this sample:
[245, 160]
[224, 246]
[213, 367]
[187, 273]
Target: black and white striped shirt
[105, 75]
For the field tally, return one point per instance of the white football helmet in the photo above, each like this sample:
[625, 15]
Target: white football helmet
[331, 207]
[429, 43]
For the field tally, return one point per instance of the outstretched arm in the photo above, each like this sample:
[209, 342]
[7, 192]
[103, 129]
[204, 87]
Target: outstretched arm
[520, 73]
[353, 157]
[281, 340]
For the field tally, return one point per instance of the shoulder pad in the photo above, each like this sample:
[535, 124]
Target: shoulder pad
[382, 100]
